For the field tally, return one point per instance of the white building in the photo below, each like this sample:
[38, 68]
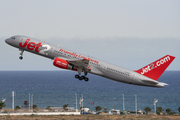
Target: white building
[114, 112]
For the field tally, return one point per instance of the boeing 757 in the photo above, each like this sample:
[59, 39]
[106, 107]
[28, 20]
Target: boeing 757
[66, 59]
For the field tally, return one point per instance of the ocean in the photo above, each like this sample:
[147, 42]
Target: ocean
[56, 88]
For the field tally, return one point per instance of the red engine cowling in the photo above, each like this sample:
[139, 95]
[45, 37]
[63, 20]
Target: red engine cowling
[63, 64]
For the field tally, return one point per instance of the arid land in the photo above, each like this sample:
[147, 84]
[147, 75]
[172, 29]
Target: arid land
[92, 117]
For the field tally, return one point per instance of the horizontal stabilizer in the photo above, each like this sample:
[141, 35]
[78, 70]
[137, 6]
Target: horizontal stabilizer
[150, 81]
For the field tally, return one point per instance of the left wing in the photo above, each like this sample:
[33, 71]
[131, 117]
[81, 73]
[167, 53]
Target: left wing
[80, 65]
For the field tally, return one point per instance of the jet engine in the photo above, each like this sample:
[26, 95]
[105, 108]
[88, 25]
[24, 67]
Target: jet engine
[63, 64]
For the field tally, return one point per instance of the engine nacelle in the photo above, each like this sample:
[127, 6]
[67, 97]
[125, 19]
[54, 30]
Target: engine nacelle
[63, 64]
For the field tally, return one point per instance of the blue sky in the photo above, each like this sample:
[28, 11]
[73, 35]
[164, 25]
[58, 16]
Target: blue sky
[127, 33]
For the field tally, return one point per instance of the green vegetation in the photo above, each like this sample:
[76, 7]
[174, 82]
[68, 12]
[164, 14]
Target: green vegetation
[105, 110]
[81, 107]
[98, 108]
[2, 104]
[159, 110]
[179, 110]
[147, 109]
[34, 106]
[17, 108]
[168, 111]
[65, 106]
[48, 108]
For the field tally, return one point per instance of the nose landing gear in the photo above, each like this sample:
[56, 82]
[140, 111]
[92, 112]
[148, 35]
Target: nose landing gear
[21, 57]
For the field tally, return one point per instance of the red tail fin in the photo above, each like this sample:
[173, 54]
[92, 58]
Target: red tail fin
[155, 69]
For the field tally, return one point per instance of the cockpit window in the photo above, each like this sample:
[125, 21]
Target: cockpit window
[13, 38]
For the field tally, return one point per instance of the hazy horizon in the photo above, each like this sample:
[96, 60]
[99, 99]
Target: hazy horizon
[130, 34]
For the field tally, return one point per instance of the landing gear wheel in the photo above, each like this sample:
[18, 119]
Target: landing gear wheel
[80, 78]
[86, 79]
[76, 76]
[20, 57]
[83, 77]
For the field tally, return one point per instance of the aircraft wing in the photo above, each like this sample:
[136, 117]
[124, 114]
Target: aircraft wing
[78, 63]
[81, 65]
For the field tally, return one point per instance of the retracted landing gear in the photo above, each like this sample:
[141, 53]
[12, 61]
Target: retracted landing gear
[21, 57]
[81, 77]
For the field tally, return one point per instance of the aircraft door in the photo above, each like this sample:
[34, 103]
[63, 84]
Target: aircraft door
[104, 68]
[22, 40]
[51, 50]
[133, 77]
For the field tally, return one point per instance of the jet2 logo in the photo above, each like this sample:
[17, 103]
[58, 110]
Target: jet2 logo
[147, 69]
[155, 64]
[45, 49]
[39, 48]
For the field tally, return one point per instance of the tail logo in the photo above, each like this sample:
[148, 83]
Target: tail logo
[154, 65]
[155, 69]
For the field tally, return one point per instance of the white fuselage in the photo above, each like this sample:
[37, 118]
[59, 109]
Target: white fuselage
[97, 67]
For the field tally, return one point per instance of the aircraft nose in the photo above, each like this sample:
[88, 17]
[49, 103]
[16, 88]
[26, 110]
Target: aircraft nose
[7, 41]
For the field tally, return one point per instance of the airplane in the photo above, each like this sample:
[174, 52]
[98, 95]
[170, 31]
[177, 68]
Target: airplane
[69, 60]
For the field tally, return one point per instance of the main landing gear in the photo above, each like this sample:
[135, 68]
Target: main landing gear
[81, 77]
[21, 57]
